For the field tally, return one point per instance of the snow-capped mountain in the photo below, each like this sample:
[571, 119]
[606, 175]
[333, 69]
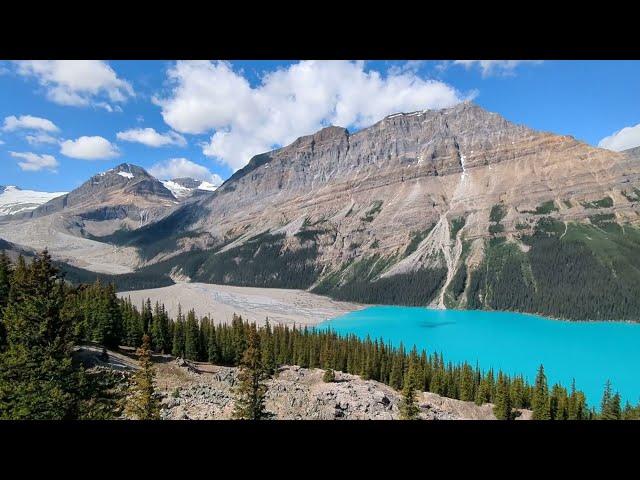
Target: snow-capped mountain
[187, 187]
[15, 200]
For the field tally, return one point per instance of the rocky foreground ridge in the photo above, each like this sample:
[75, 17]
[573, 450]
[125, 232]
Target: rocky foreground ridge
[296, 393]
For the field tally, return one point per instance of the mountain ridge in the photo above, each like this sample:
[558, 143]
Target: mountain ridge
[415, 209]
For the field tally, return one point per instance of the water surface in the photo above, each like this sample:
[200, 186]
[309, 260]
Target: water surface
[590, 352]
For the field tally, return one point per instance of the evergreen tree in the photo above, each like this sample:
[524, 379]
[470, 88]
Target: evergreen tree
[559, 403]
[610, 405]
[177, 349]
[329, 375]
[213, 352]
[483, 394]
[396, 372]
[143, 403]
[502, 405]
[147, 316]
[160, 338]
[191, 337]
[107, 317]
[409, 409]
[268, 349]
[251, 390]
[6, 270]
[540, 402]
[37, 378]
[466, 384]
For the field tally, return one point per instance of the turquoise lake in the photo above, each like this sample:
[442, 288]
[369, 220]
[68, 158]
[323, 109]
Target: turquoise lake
[590, 352]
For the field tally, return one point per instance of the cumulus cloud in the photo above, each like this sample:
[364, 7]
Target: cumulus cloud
[495, 67]
[151, 138]
[33, 162]
[40, 138]
[89, 148]
[628, 137]
[28, 122]
[181, 167]
[77, 82]
[289, 102]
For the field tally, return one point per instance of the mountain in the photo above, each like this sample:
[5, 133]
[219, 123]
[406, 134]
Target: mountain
[14, 200]
[454, 208]
[123, 198]
[187, 187]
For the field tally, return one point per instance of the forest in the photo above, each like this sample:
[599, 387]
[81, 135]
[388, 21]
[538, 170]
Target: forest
[43, 318]
[583, 272]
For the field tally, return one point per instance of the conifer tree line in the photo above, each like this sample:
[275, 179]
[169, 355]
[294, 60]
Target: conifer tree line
[43, 317]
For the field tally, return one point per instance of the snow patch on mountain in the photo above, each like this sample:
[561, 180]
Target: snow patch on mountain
[176, 189]
[15, 200]
[182, 187]
[126, 174]
[210, 187]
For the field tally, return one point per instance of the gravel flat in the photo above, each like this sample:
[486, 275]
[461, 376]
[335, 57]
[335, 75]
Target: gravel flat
[283, 306]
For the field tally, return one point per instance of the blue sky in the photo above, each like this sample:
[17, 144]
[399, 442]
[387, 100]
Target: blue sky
[61, 122]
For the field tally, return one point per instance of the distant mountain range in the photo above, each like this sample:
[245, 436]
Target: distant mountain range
[455, 208]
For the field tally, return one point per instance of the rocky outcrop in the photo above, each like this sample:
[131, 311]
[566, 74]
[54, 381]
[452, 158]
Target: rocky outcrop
[300, 394]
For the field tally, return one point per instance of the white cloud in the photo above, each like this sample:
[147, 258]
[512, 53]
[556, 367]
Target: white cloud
[151, 138]
[1, 142]
[495, 67]
[628, 137]
[289, 102]
[77, 82]
[34, 162]
[89, 148]
[40, 138]
[181, 167]
[28, 122]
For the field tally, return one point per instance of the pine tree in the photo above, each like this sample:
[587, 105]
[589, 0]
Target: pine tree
[610, 405]
[213, 350]
[177, 349]
[540, 402]
[396, 372]
[147, 316]
[329, 375]
[502, 408]
[483, 395]
[559, 403]
[37, 378]
[143, 403]
[6, 271]
[191, 337]
[409, 409]
[251, 390]
[106, 315]
[268, 349]
[466, 384]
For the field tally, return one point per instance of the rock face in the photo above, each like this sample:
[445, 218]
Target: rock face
[300, 394]
[421, 167]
